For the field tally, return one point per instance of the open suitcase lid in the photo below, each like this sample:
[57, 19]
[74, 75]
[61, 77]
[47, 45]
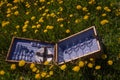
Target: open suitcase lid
[78, 45]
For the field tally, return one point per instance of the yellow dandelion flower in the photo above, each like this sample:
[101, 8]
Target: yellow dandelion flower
[48, 3]
[21, 63]
[32, 65]
[86, 62]
[43, 7]
[27, 5]
[46, 10]
[37, 22]
[104, 14]
[49, 27]
[58, 13]
[38, 26]
[98, 8]
[67, 31]
[35, 4]
[90, 65]
[8, 15]
[76, 68]
[52, 1]
[60, 19]
[60, 9]
[41, 20]
[26, 22]
[63, 67]
[45, 30]
[24, 30]
[46, 62]
[2, 72]
[17, 27]
[117, 12]
[86, 17]
[5, 23]
[8, 10]
[84, 9]
[21, 78]
[13, 67]
[34, 69]
[103, 22]
[16, 1]
[77, 21]
[9, 4]
[37, 71]
[78, 7]
[88, 13]
[118, 56]
[33, 26]
[37, 76]
[52, 15]
[27, 13]
[61, 25]
[92, 2]
[15, 7]
[60, 2]
[47, 76]
[15, 33]
[107, 9]
[71, 15]
[68, 22]
[97, 67]
[91, 59]
[44, 14]
[22, 0]
[43, 74]
[48, 15]
[110, 62]
[51, 73]
[103, 56]
[33, 17]
[81, 64]
[39, 9]
[25, 26]
[16, 13]
[42, 1]
[36, 31]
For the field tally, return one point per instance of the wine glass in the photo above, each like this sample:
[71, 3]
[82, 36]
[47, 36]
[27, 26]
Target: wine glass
[20, 57]
[17, 57]
[68, 50]
[13, 56]
[82, 46]
[89, 42]
[76, 49]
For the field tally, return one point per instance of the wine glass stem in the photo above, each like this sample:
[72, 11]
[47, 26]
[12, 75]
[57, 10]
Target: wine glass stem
[82, 52]
[90, 49]
[70, 56]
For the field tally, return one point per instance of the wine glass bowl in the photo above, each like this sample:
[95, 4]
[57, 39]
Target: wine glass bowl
[89, 42]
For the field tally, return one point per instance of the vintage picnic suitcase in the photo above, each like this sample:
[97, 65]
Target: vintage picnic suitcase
[80, 45]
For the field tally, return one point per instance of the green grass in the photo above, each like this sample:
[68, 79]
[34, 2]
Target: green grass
[109, 32]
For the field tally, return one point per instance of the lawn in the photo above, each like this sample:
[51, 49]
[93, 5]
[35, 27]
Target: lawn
[52, 20]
